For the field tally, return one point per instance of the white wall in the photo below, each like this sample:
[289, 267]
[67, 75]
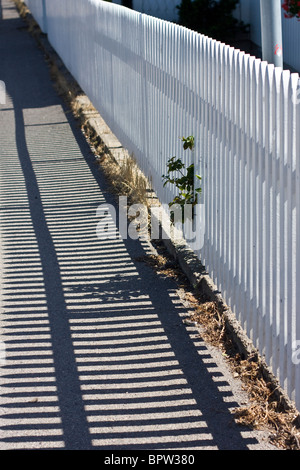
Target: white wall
[164, 9]
[249, 12]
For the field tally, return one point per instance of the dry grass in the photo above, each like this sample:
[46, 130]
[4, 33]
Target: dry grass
[22, 8]
[155, 261]
[33, 27]
[164, 264]
[124, 177]
[208, 316]
[265, 410]
[67, 89]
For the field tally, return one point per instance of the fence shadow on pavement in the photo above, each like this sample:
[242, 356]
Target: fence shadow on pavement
[97, 355]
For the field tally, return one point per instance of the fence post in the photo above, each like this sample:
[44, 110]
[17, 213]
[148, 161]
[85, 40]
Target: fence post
[44, 17]
[2, 92]
[297, 281]
[271, 31]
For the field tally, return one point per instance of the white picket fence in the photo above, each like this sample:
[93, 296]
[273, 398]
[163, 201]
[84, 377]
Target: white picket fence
[154, 81]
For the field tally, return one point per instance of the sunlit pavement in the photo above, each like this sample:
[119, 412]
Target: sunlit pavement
[96, 353]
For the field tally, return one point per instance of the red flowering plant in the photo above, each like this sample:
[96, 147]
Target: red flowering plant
[291, 9]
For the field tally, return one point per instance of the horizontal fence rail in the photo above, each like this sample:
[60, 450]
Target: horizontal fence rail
[153, 82]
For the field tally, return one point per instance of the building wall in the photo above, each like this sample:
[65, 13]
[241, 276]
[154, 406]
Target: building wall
[249, 12]
[165, 9]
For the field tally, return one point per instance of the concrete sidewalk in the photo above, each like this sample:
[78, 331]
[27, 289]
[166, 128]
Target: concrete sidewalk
[97, 354]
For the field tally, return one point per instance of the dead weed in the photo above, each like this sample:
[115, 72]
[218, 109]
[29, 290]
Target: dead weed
[24, 12]
[162, 264]
[265, 411]
[209, 317]
[125, 178]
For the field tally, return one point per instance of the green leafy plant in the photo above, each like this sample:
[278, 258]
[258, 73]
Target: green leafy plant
[183, 178]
